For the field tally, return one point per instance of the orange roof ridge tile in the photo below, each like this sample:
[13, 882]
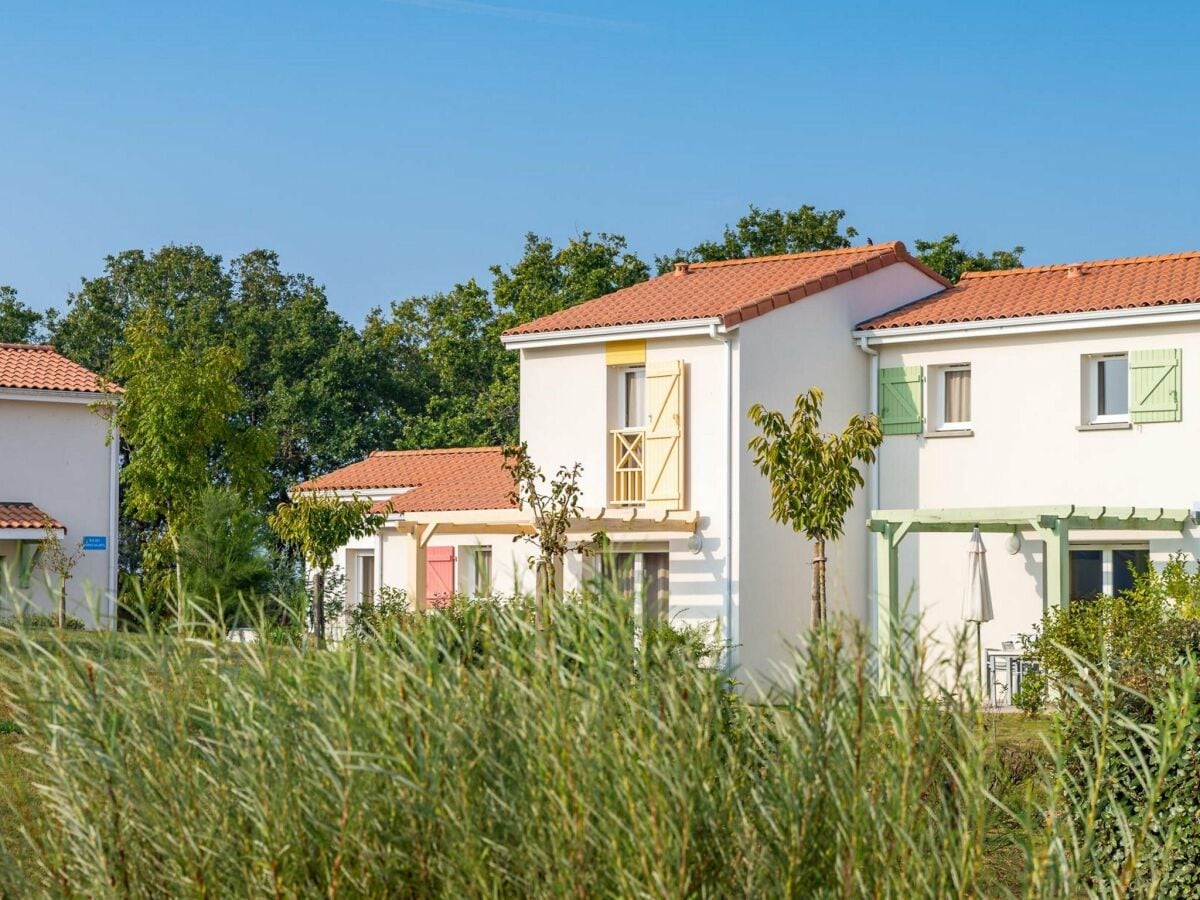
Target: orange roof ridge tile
[1085, 264]
[808, 254]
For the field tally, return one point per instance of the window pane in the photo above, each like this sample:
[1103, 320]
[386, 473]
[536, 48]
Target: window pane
[1125, 563]
[1113, 387]
[1087, 574]
[617, 572]
[483, 571]
[366, 576]
[958, 395]
[656, 572]
[635, 398]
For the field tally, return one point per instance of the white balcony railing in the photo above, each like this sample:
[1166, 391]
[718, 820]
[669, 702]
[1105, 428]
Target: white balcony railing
[628, 462]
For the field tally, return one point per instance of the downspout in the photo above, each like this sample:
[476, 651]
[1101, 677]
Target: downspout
[114, 532]
[727, 339]
[872, 488]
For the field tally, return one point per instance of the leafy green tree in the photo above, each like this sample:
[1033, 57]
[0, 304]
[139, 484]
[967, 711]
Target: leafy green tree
[317, 525]
[547, 279]
[769, 232]
[951, 260]
[185, 284]
[813, 475]
[324, 393]
[309, 379]
[180, 415]
[223, 554]
[448, 344]
[553, 510]
[19, 324]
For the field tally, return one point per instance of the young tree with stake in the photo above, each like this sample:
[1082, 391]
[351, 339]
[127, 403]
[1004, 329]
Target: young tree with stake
[317, 524]
[56, 559]
[813, 475]
[553, 511]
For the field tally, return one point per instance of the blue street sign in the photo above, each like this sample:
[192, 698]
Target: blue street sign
[95, 542]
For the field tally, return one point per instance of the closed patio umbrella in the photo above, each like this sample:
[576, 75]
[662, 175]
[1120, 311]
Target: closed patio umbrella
[977, 597]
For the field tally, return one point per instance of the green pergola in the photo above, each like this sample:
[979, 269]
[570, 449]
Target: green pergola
[1050, 524]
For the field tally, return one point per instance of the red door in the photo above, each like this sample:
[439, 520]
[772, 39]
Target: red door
[439, 576]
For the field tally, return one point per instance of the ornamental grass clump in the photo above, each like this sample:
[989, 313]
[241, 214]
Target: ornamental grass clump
[424, 761]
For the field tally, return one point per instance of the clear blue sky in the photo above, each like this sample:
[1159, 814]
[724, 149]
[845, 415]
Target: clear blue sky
[393, 147]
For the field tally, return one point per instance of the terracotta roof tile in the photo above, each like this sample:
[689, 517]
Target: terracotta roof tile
[25, 515]
[438, 480]
[40, 367]
[1110, 284]
[734, 291]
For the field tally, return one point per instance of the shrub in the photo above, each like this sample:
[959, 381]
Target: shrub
[46, 620]
[1031, 697]
[1123, 670]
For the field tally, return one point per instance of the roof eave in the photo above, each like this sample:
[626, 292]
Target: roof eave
[1106, 318]
[599, 335]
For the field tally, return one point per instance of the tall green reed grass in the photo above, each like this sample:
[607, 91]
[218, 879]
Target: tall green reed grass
[470, 754]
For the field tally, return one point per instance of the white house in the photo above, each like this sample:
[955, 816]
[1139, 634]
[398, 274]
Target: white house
[1050, 406]
[647, 388]
[1043, 405]
[56, 464]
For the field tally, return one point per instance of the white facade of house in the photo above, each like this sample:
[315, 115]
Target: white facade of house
[54, 454]
[1031, 441]
[755, 596]
[1010, 413]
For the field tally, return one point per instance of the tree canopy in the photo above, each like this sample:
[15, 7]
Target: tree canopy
[19, 324]
[952, 260]
[770, 232]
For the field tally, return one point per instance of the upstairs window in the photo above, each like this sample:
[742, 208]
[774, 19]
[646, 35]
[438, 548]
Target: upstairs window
[1108, 388]
[955, 385]
[633, 398]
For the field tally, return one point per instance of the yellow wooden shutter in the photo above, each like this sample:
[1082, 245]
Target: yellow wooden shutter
[664, 435]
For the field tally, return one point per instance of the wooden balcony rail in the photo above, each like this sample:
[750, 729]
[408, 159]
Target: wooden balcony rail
[629, 478]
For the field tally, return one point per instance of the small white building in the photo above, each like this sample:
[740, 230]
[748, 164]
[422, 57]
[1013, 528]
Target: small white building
[1044, 405]
[56, 464]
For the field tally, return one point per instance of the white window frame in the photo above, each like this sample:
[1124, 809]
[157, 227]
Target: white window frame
[1106, 558]
[623, 398]
[364, 561]
[1093, 376]
[939, 401]
[467, 567]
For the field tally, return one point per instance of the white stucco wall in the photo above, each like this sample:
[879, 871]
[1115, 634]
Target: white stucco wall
[567, 410]
[782, 354]
[54, 455]
[1027, 449]
[510, 570]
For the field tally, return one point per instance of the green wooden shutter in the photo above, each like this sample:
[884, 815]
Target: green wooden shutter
[901, 400]
[1154, 386]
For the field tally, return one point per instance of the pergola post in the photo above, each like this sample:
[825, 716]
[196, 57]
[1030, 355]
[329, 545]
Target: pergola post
[414, 568]
[1056, 534]
[887, 596]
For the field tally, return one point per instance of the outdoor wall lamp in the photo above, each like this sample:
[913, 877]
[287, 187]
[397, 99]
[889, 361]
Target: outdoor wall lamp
[1013, 544]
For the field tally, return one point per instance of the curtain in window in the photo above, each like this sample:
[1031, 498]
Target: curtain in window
[958, 395]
